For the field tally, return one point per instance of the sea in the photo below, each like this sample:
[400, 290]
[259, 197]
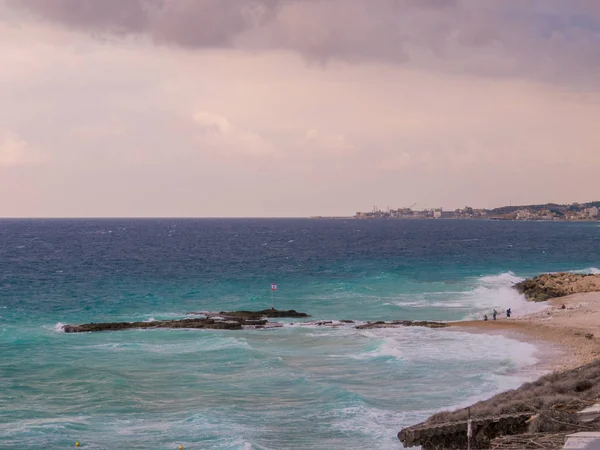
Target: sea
[300, 386]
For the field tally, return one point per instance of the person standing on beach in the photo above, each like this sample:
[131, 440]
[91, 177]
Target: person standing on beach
[508, 311]
[494, 314]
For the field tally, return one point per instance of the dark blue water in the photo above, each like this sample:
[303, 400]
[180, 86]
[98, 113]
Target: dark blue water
[296, 387]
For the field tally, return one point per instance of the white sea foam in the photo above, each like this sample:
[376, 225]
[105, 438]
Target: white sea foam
[59, 327]
[587, 271]
[387, 347]
[427, 345]
[496, 292]
[212, 343]
[324, 324]
[150, 319]
[375, 422]
[426, 304]
[482, 296]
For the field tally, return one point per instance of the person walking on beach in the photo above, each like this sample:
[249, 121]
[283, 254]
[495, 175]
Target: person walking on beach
[508, 311]
[494, 314]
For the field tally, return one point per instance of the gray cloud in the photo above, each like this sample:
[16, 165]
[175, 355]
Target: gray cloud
[107, 15]
[188, 23]
[550, 40]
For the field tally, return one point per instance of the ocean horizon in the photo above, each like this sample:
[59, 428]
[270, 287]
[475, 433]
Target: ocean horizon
[299, 386]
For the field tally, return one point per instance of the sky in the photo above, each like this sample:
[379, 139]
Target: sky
[293, 108]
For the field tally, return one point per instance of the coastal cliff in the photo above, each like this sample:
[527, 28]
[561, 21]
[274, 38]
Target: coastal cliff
[552, 285]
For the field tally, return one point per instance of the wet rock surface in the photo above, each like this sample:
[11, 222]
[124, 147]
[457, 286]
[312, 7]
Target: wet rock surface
[238, 320]
[552, 285]
[225, 320]
[252, 315]
[184, 323]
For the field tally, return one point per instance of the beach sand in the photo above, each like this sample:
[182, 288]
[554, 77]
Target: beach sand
[573, 332]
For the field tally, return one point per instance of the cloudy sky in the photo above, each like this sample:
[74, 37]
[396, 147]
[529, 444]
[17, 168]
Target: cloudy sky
[295, 107]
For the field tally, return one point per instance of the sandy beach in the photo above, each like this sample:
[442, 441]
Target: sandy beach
[573, 331]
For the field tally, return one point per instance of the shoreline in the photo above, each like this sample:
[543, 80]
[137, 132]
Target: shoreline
[568, 337]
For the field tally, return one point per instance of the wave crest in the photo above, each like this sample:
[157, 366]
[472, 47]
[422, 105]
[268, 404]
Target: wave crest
[587, 271]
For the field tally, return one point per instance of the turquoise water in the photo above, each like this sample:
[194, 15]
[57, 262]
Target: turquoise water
[299, 386]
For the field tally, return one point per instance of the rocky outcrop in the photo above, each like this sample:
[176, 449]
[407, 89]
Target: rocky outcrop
[401, 323]
[226, 320]
[552, 285]
[209, 323]
[252, 315]
[547, 405]
[453, 435]
[237, 320]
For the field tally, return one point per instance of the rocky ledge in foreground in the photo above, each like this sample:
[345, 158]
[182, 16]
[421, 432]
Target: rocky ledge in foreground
[552, 285]
[545, 410]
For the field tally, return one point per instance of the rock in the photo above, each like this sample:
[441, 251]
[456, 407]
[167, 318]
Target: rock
[225, 320]
[251, 315]
[453, 435]
[515, 412]
[272, 313]
[184, 323]
[552, 285]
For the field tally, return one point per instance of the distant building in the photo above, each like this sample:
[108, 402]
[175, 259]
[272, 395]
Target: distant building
[524, 214]
[593, 212]
[437, 213]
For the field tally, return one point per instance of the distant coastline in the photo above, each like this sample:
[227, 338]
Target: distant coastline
[545, 212]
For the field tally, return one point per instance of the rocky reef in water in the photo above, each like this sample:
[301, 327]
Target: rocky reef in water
[208, 323]
[552, 285]
[225, 320]
[251, 315]
[238, 320]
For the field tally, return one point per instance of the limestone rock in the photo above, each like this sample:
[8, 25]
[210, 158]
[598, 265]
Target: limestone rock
[552, 285]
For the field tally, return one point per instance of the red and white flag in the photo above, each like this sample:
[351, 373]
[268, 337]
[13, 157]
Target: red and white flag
[273, 287]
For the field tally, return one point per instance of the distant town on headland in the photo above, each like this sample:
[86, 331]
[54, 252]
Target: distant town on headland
[548, 211]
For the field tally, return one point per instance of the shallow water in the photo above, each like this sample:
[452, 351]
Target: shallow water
[292, 387]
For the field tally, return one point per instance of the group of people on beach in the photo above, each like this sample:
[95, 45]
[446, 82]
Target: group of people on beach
[495, 314]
